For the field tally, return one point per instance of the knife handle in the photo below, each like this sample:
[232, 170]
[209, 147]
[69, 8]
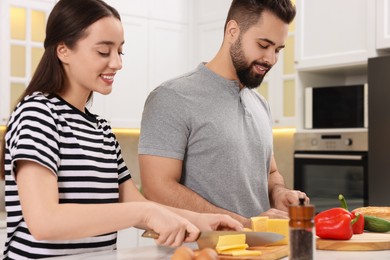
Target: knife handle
[150, 234]
[153, 234]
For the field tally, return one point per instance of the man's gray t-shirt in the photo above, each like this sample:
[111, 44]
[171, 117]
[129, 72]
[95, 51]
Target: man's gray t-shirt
[222, 134]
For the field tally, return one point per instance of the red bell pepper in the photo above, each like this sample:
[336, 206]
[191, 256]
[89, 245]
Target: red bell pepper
[335, 223]
[358, 227]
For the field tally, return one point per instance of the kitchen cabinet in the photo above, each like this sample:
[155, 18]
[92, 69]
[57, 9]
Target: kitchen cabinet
[167, 10]
[334, 33]
[22, 32]
[209, 11]
[156, 49]
[382, 24]
[334, 39]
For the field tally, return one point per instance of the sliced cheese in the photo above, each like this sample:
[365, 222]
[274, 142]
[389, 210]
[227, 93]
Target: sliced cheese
[259, 224]
[279, 226]
[228, 240]
[222, 249]
[234, 245]
[242, 252]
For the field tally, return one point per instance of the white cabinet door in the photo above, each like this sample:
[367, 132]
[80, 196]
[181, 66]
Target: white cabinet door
[383, 24]
[209, 37]
[169, 10]
[334, 33]
[168, 51]
[123, 106]
[137, 8]
[209, 11]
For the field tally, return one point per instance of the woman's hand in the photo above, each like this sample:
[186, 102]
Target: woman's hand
[173, 229]
[209, 222]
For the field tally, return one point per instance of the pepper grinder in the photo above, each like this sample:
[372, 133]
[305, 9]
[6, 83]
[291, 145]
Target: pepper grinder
[302, 231]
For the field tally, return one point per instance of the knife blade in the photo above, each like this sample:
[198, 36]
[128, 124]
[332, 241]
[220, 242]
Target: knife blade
[210, 238]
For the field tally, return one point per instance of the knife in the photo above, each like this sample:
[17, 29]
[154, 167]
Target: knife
[210, 238]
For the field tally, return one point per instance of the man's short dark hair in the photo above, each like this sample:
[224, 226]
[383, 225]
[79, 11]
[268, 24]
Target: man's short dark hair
[247, 12]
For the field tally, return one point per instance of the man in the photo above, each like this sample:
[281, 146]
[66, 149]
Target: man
[206, 137]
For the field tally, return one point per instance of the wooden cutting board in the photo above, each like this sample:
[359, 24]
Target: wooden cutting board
[268, 253]
[361, 242]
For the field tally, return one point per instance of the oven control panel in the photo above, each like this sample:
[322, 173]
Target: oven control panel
[322, 141]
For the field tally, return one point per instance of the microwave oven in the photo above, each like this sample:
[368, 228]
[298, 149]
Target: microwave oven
[334, 107]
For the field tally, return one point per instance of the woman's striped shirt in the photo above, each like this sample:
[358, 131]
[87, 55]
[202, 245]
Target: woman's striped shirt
[83, 153]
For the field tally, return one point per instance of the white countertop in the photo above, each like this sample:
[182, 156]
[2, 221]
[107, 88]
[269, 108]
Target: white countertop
[157, 253]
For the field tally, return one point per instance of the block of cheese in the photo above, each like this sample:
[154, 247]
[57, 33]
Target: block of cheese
[279, 226]
[234, 245]
[266, 224]
[259, 224]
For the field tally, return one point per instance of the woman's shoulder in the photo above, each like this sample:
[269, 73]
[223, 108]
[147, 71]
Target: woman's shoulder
[35, 99]
[36, 105]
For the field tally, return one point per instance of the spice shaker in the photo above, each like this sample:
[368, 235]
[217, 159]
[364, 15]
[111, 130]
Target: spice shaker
[302, 231]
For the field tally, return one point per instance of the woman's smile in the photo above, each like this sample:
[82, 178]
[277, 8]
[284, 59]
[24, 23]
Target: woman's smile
[108, 78]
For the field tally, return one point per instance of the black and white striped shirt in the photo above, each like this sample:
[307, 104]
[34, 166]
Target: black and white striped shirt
[80, 149]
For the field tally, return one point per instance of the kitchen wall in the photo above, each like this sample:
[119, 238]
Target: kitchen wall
[283, 151]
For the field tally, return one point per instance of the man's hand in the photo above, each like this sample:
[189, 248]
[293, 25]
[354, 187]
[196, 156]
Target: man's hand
[280, 196]
[275, 213]
[283, 197]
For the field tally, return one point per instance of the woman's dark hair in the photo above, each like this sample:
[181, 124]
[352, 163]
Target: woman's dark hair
[67, 23]
[247, 12]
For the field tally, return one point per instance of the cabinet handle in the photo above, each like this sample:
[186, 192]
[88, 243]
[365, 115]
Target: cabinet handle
[329, 156]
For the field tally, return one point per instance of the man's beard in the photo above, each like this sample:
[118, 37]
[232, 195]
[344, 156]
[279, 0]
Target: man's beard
[244, 71]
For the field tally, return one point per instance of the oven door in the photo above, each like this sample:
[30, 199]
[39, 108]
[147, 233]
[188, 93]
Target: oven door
[325, 175]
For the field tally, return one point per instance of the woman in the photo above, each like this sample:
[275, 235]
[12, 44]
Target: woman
[68, 189]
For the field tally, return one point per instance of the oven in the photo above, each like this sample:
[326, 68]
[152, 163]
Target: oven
[329, 164]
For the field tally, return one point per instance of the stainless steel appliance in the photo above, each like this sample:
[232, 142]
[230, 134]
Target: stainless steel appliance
[336, 107]
[332, 163]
